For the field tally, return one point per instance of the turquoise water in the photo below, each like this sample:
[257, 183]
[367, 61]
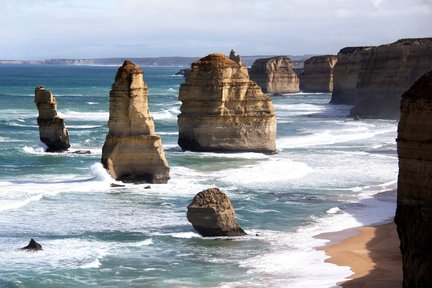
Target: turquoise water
[323, 178]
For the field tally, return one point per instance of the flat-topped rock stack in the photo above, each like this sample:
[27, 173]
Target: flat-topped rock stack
[132, 151]
[345, 75]
[317, 75]
[275, 75]
[223, 110]
[387, 71]
[52, 129]
[414, 203]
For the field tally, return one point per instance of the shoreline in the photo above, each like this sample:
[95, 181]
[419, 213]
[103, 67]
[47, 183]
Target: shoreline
[371, 252]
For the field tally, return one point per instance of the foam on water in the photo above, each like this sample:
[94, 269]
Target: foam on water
[84, 116]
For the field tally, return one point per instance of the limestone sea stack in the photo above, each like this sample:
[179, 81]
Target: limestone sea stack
[345, 75]
[212, 214]
[414, 203]
[317, 75]
[386, 72]
[132, 152]
[52, 129]
[275, 75]
[223, 110]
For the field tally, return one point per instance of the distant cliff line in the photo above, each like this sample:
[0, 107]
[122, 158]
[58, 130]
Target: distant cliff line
[175, 61]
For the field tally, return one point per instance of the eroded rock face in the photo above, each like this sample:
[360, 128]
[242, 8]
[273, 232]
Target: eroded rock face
[275, 75]
[212, 214]
[386, 72]
[317, 74]
[222, 110]
[414, 204]
[52, 129]
[132, 152]
[345, 75]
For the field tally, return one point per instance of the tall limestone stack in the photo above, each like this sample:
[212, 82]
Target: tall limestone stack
[345, 75]
[52, 130]
[132, 152]
[275, 75]
[317, 74]
[223, 110]
[387, 71]
[414, 204]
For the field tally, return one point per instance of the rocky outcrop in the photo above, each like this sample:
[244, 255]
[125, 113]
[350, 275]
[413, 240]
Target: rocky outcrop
[317, 74]
[414, 203]
[32, 246]
[222, 110]
[132, 152]
[387, 71]
[52, 130]
[183, 72]
[345, 75]
[212, 214]
[275, 75]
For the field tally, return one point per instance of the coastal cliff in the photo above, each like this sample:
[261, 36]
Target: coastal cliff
[414, 204]
[317, 75]
[386, 72]
[275, 75]
[132, 152]
[223, 110]
[345, 75]
[52, 129]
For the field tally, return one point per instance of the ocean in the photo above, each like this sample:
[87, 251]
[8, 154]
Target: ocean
[325, 177]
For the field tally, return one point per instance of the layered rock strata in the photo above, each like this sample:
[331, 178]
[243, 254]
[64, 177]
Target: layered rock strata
[132, 152]
[275, 75]
[212, 214]
[317, 75]
[52, 129]
[345, 75]
[386, 72]
[414, 203]
[223, 110]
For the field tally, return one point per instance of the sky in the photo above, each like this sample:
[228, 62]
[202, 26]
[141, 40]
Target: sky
[47, 29]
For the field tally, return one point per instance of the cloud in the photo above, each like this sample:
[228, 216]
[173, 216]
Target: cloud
[135, 28]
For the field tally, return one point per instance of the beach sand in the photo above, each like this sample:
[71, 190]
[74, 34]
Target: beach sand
[372, 252]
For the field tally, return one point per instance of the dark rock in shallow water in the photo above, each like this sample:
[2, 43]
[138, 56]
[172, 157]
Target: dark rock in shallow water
[81, 152]
[117, 185]
[32, 246]
[212, 214]
[414, 203]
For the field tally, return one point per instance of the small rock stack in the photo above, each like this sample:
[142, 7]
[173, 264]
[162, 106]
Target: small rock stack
[52, 129]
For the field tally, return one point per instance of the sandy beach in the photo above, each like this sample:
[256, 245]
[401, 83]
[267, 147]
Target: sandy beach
[372, 252]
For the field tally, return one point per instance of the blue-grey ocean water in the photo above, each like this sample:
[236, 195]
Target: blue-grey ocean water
[323, 178]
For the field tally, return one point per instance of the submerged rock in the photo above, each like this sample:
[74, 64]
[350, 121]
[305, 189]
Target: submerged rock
[317, 75]
[132, 152]
[223, 110]
[52, 129]
[32, 246]
[414, 203]
[345, 75]
[212, 214]
[275, 75]
[387, 71]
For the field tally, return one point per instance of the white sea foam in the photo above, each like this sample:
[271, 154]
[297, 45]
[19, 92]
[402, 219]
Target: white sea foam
[100, 173]
[83, 126]
[92, 103]
[334, 210]
[168, 114]
[39, 149]
[6, 204]
[86, 116]
[93, 264]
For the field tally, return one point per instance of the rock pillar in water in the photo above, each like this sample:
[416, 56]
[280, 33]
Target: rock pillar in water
[132, 152]
[275, 75]
[52, 130]
[414, 203]
[317, 75]
[223, 110]
[212, 214]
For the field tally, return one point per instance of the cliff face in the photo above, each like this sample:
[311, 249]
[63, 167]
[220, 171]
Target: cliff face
[275, 75]
[222, 110]
[345, 75]
[132, 152]
[386, 72]
[414, 204]
[52, 130]
[317, 75]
